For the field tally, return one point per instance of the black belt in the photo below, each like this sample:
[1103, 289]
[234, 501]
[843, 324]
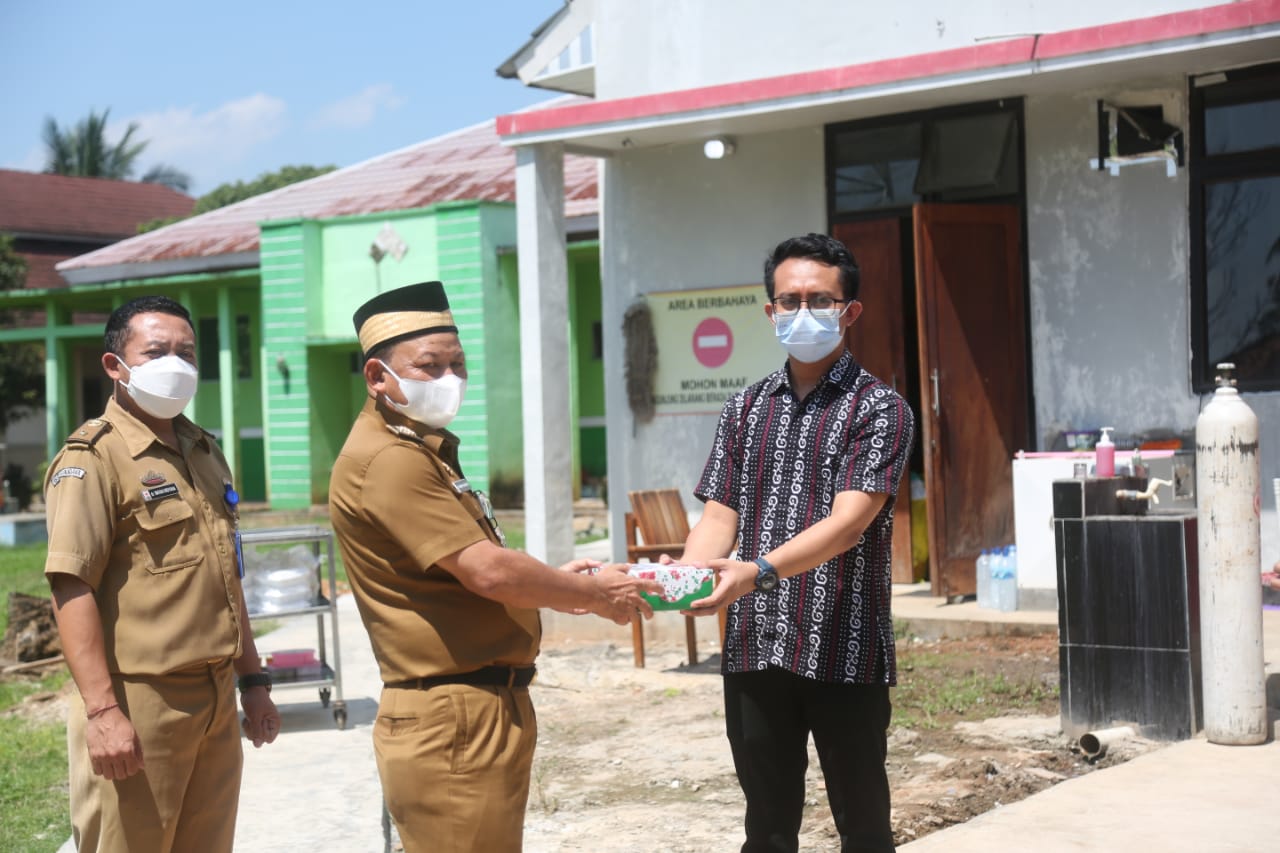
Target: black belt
[489, 676]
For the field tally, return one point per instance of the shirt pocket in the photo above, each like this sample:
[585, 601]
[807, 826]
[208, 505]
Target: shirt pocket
[167, 537]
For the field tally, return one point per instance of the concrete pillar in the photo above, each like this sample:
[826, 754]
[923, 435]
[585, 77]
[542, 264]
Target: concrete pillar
[185, 300]
[227, 387]
[622, 428]
[55, 406]
[544, 352]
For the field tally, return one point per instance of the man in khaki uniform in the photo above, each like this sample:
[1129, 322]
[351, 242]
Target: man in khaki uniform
[451, 613]
[146, 590]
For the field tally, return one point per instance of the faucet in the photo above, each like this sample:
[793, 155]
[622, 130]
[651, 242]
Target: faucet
[1148, 495]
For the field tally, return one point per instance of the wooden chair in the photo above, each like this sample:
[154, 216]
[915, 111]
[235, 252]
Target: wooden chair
[657, 525]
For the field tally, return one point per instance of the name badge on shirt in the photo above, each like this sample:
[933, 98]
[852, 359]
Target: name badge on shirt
[461, 486]
[64, 473]
[168, 490]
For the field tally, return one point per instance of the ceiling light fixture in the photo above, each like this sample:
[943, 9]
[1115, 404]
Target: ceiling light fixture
[718, 148]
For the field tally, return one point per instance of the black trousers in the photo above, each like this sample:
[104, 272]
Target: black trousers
[769, 715]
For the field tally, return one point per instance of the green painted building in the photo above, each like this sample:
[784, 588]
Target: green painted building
[272, 283]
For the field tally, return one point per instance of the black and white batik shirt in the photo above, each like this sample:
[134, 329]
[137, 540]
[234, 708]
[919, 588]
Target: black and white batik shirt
[779, 463]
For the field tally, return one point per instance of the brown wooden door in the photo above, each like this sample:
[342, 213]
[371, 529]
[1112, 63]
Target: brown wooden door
[973, 369]
[877, 341]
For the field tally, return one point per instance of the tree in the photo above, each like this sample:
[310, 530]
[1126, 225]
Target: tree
[225, 194]
[174, 179]
[83, 151]
[21, 365]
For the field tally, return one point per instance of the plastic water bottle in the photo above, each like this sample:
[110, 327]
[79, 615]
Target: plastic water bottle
[1005, 579]
[998, 562]
[982, 572]
[997, 577]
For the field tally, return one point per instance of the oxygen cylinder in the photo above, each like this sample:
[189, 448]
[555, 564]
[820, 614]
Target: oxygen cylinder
[1228, 528]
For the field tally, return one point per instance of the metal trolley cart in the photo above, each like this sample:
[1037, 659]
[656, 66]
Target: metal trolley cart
[325, 675]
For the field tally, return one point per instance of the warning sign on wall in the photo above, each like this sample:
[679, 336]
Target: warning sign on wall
[711, 343]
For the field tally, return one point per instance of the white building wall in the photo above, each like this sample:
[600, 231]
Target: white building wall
[682, 222]
[647, 46]
[1110, 282]
[1109, 286]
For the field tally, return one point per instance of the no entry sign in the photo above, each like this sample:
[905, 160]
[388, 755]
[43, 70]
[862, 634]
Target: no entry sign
[730, 340]
[712, 342]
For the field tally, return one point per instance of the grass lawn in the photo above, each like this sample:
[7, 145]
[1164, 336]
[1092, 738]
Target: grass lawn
[21, 570]
[33, 755]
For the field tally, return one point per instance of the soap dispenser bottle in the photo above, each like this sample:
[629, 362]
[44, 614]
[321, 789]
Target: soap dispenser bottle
[1105, 455]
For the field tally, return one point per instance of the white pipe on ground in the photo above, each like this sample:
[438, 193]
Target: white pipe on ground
[1228, 528]
[1094, 745]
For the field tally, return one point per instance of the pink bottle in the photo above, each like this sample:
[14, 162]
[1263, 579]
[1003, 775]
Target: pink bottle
[1105, 455]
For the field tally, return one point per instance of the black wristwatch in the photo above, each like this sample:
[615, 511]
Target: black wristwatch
[254, 679]
[767, 579]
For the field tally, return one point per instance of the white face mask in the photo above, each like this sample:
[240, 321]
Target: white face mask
[808, 338]
[434, 403]
[162, 387]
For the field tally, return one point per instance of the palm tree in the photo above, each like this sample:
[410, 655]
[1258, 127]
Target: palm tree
[83, 151]
[174, 179]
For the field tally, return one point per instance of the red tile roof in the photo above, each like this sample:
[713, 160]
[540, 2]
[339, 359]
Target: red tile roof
[470, 164]
[41, 272]
[57, 205]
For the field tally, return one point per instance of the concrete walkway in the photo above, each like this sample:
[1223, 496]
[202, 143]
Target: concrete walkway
[1188, 797]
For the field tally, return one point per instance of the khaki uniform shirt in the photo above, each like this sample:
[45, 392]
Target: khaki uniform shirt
[398, 503]
[147, 527]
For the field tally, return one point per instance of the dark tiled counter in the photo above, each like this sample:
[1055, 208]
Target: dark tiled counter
[1128, 617]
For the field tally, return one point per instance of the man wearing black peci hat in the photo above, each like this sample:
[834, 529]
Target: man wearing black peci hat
[451, 613]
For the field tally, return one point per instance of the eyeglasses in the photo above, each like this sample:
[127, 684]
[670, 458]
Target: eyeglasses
[819, 306]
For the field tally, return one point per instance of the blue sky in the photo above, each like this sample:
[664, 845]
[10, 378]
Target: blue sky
[230, 90]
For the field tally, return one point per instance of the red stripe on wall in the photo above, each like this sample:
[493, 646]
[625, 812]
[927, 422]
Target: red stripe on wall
[1078, 42]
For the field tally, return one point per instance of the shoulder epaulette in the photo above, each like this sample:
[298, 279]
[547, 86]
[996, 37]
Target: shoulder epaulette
[89, 432]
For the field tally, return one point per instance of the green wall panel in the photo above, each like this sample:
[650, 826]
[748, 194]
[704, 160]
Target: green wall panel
[288, 251]
[584, 265]
[502, 355]
[331, 417]
[590, 456]
[460, 262]
[245, 301]
[348, 276]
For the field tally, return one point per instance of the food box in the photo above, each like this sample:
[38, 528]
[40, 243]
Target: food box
[682, 585]
[293, 665]
[285, 658]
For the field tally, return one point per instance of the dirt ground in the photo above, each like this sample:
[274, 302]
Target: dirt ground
[636, 760]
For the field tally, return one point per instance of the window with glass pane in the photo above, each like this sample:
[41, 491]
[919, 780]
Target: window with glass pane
[1242, 276]
[876, 167]
[968, 153]
[207, 343]
[1242, 127]
[244, 352]
[1236, 212]
[962, 155]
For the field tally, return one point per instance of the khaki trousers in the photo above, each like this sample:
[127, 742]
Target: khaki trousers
[186, 796]
[454, 761]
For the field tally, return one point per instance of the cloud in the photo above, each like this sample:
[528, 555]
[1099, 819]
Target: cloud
[357, 110]
[210, 144]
